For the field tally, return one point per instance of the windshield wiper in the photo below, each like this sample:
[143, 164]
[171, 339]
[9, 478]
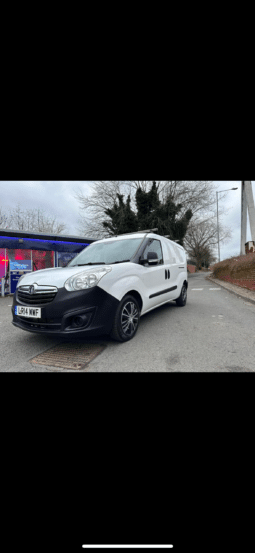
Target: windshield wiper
[82, 264]
[124, 261]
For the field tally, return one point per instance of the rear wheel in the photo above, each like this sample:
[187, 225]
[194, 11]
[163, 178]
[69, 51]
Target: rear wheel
[126, 320]
[181, 301]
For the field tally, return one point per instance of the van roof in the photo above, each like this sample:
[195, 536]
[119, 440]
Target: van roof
[123, 237]
[139, 235]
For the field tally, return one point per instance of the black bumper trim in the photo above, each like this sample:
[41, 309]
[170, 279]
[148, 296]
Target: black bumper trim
[56, 319]
[163, 292]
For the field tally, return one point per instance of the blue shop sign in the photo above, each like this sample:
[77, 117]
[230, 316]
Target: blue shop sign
[21, 265]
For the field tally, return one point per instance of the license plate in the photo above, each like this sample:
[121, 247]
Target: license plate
[34, 312]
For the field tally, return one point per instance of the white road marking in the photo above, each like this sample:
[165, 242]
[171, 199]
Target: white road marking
[127, 546]
[196, 288]
[214, 288]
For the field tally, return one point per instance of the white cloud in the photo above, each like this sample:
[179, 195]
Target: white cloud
[56, 198]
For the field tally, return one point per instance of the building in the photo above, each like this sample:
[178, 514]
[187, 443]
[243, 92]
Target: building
[249, 246]
[22, 251]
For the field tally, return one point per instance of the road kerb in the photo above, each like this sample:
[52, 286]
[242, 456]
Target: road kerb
[233, 289]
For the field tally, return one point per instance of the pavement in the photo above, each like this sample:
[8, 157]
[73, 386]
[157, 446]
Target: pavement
[233, 289]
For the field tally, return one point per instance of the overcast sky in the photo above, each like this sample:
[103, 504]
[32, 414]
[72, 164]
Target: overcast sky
[57, 199]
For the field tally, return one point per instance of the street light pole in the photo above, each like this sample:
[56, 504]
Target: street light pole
[218, 228]
[218, 217]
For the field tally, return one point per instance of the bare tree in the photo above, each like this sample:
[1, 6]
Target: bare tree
[33, 220]
[202, 237]
[199, 196]
[3, 219]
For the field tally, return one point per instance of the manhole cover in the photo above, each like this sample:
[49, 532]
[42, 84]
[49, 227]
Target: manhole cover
[69, 355]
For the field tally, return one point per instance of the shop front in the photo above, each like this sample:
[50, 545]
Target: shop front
[22, 252]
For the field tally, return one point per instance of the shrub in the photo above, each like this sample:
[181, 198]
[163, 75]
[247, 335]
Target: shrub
[239, 270]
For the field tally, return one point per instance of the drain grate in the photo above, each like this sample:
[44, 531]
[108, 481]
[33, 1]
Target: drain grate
[69, 355]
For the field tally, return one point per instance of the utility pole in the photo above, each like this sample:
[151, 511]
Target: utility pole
[247, 201]
[218, 227]
[243, 218]
[218, 217]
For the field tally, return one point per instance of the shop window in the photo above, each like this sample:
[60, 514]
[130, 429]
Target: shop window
[3, 262]
[19, 260]
[42, 260]
[64, 258]
[19, 255]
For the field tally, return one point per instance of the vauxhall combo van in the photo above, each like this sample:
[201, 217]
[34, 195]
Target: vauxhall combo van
[105, 289]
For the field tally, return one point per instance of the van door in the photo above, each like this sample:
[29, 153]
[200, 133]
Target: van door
[155, 278]
[177, 267]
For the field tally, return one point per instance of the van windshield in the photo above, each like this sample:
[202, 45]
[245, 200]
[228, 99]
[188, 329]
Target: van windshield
[116, 251]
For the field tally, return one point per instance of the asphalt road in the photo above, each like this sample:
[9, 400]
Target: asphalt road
[214, 332]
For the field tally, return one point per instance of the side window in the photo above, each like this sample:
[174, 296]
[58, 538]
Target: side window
[171, 252]
[178, 253]
[182, 255]
[154, 246]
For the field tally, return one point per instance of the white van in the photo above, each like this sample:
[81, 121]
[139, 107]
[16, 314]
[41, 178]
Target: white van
[105, 289]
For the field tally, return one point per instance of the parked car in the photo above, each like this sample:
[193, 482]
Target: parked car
[105, 289]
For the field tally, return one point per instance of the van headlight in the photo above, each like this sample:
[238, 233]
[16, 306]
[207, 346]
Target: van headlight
[86, 279]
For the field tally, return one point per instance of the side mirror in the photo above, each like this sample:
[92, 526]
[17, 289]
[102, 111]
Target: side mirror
[152, 258]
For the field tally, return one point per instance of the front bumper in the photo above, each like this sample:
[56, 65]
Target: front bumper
[98, 306]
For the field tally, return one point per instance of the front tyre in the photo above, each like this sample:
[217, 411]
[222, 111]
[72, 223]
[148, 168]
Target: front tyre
[181, 301]
[126, 320]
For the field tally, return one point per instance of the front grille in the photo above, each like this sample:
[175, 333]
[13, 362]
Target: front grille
[42, 295]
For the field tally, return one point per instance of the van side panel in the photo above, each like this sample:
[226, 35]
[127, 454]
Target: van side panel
[119, 287]
[179, 265]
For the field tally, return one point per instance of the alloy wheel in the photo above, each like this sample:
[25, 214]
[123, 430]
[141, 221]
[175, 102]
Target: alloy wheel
[184, 293]
[129, 318]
